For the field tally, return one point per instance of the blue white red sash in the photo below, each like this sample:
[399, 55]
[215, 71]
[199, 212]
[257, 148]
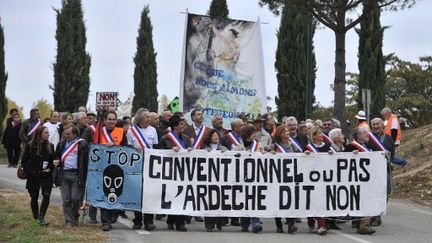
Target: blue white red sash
[233, 138]
[199, 138]
[168, 129]
[70, 149]
[281, 149]
[360, 147]
[173, 137]
[92, 128]
[377, 142]
[254, 146]
[312, 148]
[34, 128]
[327, 139]
[139, 137]
[295, 143]
[107, 135]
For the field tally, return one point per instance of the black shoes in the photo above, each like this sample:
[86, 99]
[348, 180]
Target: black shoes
[137, 226]
[279, 230]
[42, 222]
[292, 229]
[106, 227]
[149, 227]
[181, 228]
[365, 231]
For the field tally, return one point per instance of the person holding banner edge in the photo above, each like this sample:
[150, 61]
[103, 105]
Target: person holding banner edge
[211, 143]
[281, 144]
[176, 140]
[249, 143]
[360, 144]
[231, 140]
[317, 145]
[196, 132]
[110, 136]
[72, 159]
[142, 136]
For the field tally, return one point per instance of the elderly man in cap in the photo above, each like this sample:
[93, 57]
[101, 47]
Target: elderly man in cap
[262, 135]
[362, 120]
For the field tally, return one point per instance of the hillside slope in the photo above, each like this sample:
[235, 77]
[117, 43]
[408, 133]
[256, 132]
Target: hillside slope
[414, 181]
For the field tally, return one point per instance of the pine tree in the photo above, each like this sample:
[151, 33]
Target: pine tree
[290, 62]
[72, 66]
[3, 79]
[218, 8]
[145, 73]
[371, 60]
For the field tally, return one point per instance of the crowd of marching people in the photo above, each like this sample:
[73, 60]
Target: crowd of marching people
[56, 153]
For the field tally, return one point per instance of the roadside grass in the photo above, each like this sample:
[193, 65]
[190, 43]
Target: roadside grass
[17, 224]
[414, 181]
[3, 155]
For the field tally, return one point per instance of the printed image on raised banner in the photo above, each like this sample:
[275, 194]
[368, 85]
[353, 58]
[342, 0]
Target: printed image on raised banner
[115, 177]
[223, 71]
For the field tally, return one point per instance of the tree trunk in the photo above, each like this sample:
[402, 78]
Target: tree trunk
[339, 81]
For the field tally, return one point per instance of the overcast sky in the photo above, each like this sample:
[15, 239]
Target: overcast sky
[112, 26]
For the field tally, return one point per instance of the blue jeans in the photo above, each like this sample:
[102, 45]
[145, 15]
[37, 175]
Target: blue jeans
[246, 222]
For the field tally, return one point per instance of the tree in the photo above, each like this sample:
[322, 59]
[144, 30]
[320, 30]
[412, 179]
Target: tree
[3, 79]
[218, 8]
[145, 73]
[334, 15]
[371, 61]
[291, 61]
[409, 90]
[45, 108]
[72, 66]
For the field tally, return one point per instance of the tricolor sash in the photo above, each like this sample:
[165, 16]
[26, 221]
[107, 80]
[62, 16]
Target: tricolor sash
[327, 139]
[92, 128]
[377, 141]
[34, 128]
[168, 129]
[107, 135]
[233, 138]
[295, 143]
[139, 137]
[199, 138]
[312, 148]
[70, 149]
[281, 149]
[173, 137]
[254, 146]
[360, 147]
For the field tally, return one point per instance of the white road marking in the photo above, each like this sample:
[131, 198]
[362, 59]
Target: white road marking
[129, 224]
[421, 211]
[357, 239]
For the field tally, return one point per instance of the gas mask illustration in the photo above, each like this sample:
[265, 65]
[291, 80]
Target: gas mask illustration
[113, 178]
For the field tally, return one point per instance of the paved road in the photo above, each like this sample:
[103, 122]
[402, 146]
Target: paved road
[403, 223]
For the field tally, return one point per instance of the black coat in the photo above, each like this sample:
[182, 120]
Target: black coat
[11, 136]
[32, 162]
[83, 148]
[166, 143]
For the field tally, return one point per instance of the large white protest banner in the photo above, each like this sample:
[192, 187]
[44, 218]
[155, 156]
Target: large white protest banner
[243, 184]
[222, 70]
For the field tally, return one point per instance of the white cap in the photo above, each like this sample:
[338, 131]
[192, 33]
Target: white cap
[361, 115]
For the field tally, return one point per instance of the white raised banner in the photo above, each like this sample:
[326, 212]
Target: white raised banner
[244, 184]
[222, 70]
